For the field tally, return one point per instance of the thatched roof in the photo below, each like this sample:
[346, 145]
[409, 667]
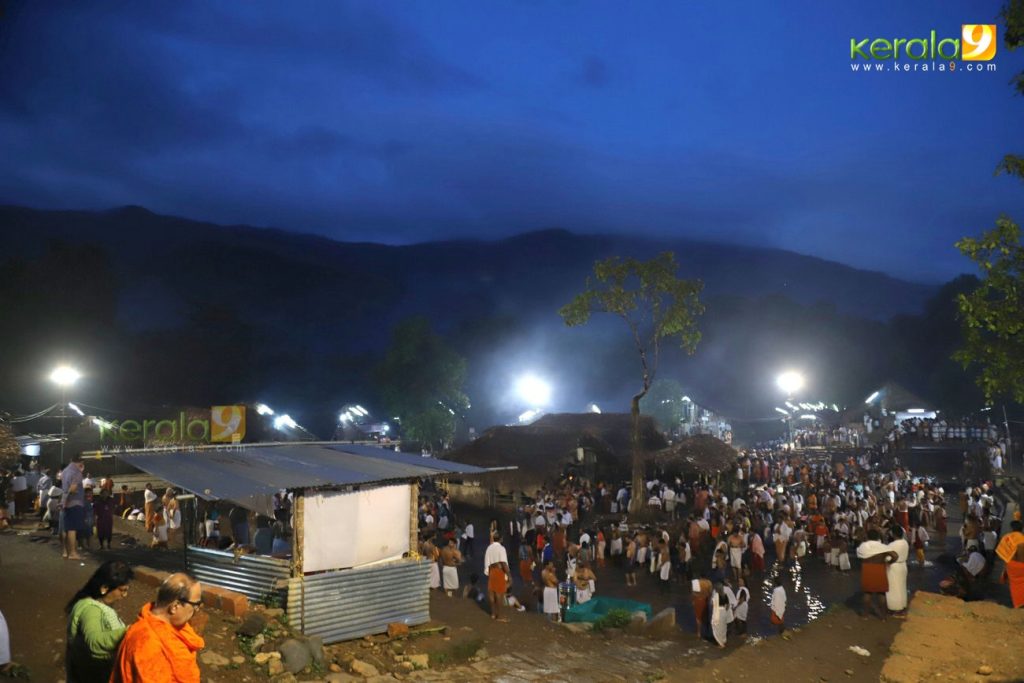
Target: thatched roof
[701, 453]
[542, 450]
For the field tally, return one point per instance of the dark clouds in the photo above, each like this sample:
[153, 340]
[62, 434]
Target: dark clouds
[416, 121]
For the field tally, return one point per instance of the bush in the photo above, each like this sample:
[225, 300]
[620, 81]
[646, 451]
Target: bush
[615, 618]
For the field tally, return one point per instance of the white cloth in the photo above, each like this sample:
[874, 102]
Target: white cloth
[495, 553]
[742, 603]
[451, 578]
[896, 573]
[719, 623]
[736, 557]
[550, 600]
[665, 571]
[844, 561]
[435, 575]
[778, 604]
[975, 563]
[5, 641]
[150, 496]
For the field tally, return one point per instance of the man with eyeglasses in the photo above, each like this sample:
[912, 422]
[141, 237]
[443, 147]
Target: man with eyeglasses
[162, 645]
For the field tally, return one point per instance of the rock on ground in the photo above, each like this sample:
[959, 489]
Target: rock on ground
[211, 658]
[946, 636]
[295, 655]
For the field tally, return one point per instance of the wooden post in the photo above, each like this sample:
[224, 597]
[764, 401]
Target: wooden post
[298, 537]
[298, 533]
[414, 519]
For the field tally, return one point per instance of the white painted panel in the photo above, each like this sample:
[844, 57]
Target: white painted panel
[343, 530]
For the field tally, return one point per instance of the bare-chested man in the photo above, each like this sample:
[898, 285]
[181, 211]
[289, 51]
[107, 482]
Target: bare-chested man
[550, 580]
[451, 558]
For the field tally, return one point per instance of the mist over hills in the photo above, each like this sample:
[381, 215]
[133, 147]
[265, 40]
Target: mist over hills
[165, 309]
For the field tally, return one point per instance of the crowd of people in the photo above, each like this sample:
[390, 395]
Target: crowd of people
[861, 514]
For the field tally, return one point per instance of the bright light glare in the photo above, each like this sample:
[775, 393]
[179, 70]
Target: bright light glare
[76, 409]
[872, 397]
[533, 390]
[282, 421]
[790, 382]
[344, 417]
[263, 409]
[529, 416]
[65, 376]
[784, 412]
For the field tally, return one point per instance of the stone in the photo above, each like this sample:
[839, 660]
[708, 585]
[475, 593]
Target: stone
[315, 645]
[262, 658]
[848, 672]
[238, 659]
[252, 625]
[275, 667]
[482, 653]
[273, 612]
[406, 666]
[257, 643]
[985, 670]
[363, 669]
[663, 625]
[398, 630]
[296, 655]
[211, 658]
[335, 668]
[637, 624]
[286, 677]
[421, 661]
[340, 677]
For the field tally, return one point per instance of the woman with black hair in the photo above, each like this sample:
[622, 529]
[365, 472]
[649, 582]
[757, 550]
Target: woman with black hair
[94, 628]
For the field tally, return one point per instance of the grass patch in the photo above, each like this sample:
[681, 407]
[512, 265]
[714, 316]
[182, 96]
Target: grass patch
[616, 618]
[458, 653]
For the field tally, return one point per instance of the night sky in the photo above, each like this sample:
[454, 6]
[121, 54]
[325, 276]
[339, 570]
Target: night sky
[410, 121]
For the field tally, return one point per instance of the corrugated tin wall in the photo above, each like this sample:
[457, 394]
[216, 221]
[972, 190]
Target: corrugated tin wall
[254, 576]
[353, 603]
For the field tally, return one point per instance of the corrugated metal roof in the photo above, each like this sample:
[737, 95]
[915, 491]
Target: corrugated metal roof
[250, 474]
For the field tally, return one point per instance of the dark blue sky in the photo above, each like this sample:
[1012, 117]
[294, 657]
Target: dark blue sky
[411, 121]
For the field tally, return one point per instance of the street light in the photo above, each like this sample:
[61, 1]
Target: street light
[790, 382]
[533, 390]
[63, 376]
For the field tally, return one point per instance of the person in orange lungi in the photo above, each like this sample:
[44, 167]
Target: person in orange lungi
[1014, 572]
[702, 590]
[873, 580]
[498, 575]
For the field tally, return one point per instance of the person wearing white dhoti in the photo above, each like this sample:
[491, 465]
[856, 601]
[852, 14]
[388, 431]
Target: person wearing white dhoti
[896, 572]
[740, 608]
[430, 552]
[719, 623]
[550, 595]
[5, 642]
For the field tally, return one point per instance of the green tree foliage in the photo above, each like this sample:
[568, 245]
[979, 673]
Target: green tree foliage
[421, 382]
[9, 451]
[993, 314]
[664, 402]
[1013, 38]
[655, 306]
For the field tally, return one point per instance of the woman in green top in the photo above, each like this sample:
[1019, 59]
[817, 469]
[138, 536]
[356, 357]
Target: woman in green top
[94, 629]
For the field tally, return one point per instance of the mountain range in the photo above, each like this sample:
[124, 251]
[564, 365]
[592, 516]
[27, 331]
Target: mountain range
[257, 311]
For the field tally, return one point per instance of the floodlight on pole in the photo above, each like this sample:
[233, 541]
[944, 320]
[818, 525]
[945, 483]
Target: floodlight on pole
[790, 382]
[64, 376]
[534, 391]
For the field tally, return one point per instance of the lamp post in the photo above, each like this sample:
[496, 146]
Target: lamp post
[790, 382]
[64, 376]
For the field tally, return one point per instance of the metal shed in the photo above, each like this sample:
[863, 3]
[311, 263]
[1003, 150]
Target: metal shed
[352, 569]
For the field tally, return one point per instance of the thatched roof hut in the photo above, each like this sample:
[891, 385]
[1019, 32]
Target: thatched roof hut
[699, 454]
[543, 450]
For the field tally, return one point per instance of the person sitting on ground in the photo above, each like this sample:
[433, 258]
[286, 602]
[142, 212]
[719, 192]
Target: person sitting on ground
[161, 645]
[94, 629]
[263, 539]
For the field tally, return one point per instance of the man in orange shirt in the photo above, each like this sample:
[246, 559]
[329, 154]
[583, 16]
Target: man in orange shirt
[161, 645]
